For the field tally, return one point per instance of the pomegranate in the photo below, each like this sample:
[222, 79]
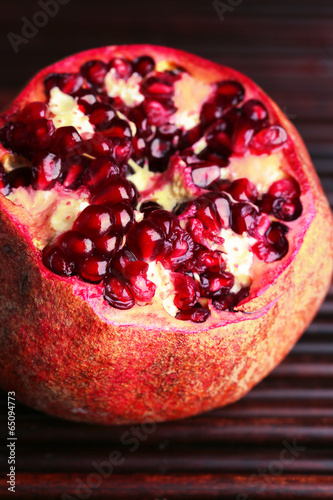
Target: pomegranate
[164, 237]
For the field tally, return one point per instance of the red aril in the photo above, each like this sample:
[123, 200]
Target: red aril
[94, 221]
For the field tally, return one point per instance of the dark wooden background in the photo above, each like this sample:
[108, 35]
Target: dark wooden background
[235, 452]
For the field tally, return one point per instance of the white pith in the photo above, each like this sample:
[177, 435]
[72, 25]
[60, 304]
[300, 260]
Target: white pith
[128, 90]
[59, 208]
[172, 193]
[252, 167]
[64, 112]
[188, 97]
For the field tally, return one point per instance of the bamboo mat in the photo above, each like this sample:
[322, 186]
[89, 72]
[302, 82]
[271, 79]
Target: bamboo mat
[277, 442]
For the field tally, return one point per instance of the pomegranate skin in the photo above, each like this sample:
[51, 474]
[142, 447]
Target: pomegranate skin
[66, 355]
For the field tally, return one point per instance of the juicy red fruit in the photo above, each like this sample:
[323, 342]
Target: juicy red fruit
[101, 170]
[75, 245]
[46, 170]
[117, 293]
[105, 242]
[94, 221]
[55, 260]
[116, 190]
[33, 111]
[145, 240]
[95, 72]
[93, 269]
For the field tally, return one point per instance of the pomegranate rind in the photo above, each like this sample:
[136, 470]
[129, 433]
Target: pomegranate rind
[67, 353]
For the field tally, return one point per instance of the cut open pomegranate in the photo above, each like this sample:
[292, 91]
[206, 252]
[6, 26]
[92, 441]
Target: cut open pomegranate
[165, 239]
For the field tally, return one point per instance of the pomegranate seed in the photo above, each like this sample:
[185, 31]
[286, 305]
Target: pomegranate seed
[189, 137]
[265, 204]
[205, 173]
[134, 268]
[145, 240]
[46, 170]
[15, 137]
[108, 245]
[219, 159]
[218, 139]
[243, 190]
[169, 132]
[33, 111]
[157, 112]
[222, 204]
[69, 83]
[207, 259]
[122, 149]
[138, 116]
[123, 67]
[142, 289]
[20, 177]
[5, 133]
[263, 222]
[255, 110]
[86, 99]
[178, 248]
[207, 213]
[118, 128]
[75, 245]
[118, 104]
[165, 220]
[285, 188]
[121, 260]
[98, 145]
[197, 231]
[39, 134]
[186, 291]
[214, 285]
[242, 136]
[140, 149]
[117, 293]
[4, 185]
[144, 65]
[211, 111]
[94, 221]
[147, 207]
[93, 269]
[55, 260]
[156, 87]
[282, 200]
[102, 115]
[94, 72]
[159, 153]
[230, 300]
[197, 314]
[124, 216]
[73, 169]
[100, 171]
[244, 218]
[221, 185]
[230, 92]
[65, 139]
[268, 139]
[286, 210]
[275, 246]
[116, 190]
[232, 117]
